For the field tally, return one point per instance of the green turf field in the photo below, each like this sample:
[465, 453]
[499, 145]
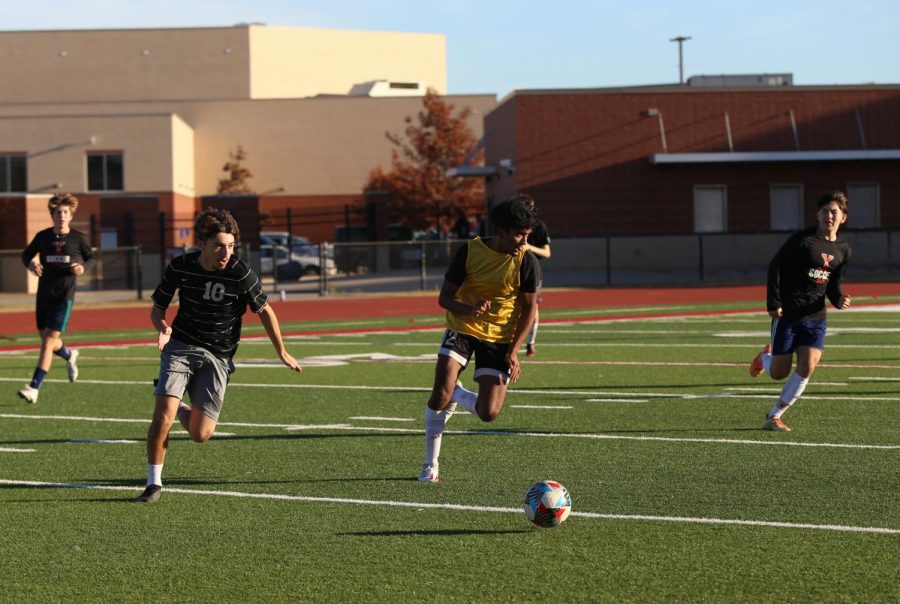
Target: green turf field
[310, 491]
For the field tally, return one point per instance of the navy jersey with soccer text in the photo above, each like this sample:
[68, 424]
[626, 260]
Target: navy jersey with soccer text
[57, 253]
[806, 270]
[211, 303]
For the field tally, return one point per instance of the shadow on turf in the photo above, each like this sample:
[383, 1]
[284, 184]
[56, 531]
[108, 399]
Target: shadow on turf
[438, 532]
[362, 434]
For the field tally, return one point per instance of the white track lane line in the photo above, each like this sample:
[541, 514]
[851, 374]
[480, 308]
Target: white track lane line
[469, 508]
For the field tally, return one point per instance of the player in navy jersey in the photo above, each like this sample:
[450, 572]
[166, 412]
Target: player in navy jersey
[215, 287]
[57, 257]
[807, 269]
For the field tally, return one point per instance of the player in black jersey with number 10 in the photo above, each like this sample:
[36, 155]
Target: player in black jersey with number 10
[807, 269]
[215, 288]
[57, 257]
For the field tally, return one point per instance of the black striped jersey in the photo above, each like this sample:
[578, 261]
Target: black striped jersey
[57, 253]
[806, 270]
[211, 303]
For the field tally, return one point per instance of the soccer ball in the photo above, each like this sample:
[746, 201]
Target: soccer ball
[547, 504]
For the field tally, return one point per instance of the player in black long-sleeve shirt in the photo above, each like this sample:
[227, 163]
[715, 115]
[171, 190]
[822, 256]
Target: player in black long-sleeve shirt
[57, 257]
[807, 269]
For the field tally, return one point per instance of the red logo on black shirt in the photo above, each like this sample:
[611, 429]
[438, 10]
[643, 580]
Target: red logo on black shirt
[826, 258]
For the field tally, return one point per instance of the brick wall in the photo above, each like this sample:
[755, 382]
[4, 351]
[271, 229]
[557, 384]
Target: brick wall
[584, 155]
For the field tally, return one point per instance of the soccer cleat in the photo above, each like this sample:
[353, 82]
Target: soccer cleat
[530, 350]
[429, 474]
[72, 365]
[151, 494]
[29, 395]
[756, 365]
[775, 425]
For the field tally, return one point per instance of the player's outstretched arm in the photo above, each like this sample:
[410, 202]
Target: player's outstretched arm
[273, 330]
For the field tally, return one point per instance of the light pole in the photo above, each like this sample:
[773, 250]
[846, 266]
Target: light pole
[681, 40]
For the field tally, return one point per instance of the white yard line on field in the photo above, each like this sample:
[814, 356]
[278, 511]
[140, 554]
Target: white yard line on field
[540, 407]
[105, 441]
[383, 419]
[465, 508]
[616, 400]
[15, 450]
[348, 427]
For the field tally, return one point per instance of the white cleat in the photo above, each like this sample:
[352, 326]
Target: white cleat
[429, 474]
[72, 366]
[29, 395]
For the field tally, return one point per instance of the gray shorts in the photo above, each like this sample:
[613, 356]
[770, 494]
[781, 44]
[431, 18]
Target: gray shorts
[197, 371]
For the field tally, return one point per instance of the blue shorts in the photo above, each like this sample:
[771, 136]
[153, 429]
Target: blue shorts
[789, 335]
[53, 314]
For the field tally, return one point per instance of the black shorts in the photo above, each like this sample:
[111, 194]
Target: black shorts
[53, 313]
[490, 357]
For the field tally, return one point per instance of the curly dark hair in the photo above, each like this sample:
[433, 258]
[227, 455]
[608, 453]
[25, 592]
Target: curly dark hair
[212, 221]
[838, 197]
[514, 214]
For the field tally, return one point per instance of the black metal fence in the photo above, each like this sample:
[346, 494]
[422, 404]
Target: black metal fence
[117, 268]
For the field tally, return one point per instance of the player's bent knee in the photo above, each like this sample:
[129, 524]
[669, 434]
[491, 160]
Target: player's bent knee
[779, 374]
[487, 415]
[201, 436]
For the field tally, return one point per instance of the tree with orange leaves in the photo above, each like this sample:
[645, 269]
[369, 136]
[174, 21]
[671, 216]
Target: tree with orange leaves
[419, 194]
[238, 175]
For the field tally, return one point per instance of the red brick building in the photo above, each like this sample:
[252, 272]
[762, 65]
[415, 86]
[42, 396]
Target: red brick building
[674, 160]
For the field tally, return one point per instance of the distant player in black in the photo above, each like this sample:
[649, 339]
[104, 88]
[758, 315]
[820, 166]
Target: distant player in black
[61, 254]
[807, 269]
[539, 245]
[215, 288]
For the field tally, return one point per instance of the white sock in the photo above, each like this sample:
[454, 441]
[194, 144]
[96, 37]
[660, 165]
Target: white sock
[154, 474]
[434, 432]
[767, 361]
[465, 398]
[532, 333]
[789, 394]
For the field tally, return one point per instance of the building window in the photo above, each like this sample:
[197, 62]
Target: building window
[864, 201]
[786, 207]
[105, 172]
[13, 174]
[710, 209]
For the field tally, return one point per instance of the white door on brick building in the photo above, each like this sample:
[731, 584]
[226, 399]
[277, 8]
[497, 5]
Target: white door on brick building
[710, 209]
[786, 207]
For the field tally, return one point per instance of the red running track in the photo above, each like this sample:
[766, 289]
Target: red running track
[87, 318]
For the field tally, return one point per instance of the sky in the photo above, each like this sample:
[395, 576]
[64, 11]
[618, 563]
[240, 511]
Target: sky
[497, 46]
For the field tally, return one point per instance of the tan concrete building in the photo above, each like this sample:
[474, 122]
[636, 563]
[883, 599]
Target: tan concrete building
[146, 118]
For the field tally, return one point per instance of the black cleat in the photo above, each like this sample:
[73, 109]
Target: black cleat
[151, 494]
